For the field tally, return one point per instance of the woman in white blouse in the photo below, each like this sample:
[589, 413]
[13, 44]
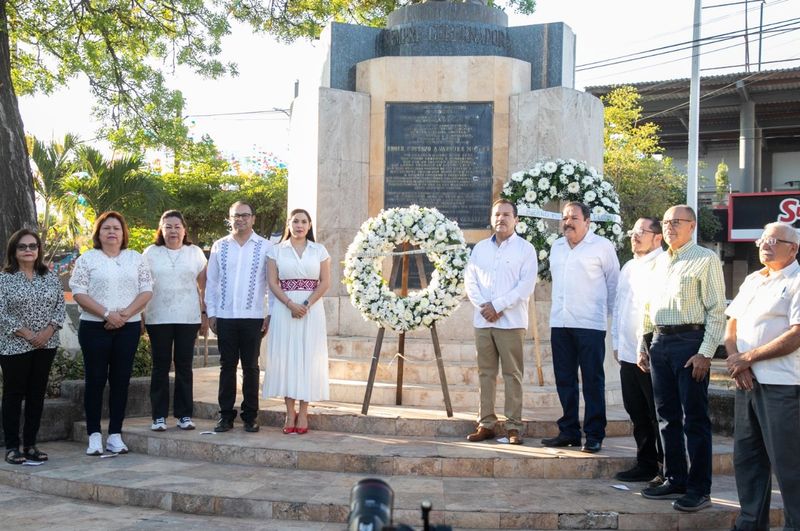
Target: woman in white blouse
[112, 284]
[174, 316]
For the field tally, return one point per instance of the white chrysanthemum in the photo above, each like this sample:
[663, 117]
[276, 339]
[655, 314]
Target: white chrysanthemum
[553, 191]
[535, 171]
[616, 229]
[598, 210]
[540, 226]
[589, 196]
[530, 196]
[573, 187]
[568, 169]
[517, 176]
[550, 166]
[544, 183]
[527, 183]
[522, 227]
[542, 254]
[563, 179]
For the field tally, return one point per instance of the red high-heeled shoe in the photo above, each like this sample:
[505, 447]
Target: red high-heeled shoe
[301, 431]
[287, 430]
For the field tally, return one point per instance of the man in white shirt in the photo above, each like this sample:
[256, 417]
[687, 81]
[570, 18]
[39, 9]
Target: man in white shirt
[499, 280]
[637, 388]
[235, 291]
[585, 269]
[763, 344]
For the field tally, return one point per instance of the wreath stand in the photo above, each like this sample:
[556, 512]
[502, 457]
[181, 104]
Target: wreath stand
[403, 262]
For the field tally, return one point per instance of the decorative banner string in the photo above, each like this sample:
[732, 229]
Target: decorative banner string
[376, 254]
[536, 212]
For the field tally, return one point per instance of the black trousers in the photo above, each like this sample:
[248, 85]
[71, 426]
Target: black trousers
[24, 378]
[239, 340]
[172, 342]
[637, 397]
[107, 357]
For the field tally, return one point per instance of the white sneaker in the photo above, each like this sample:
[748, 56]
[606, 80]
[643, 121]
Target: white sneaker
[95, 444]
[160, 424]
[185, 423]
[115, 444]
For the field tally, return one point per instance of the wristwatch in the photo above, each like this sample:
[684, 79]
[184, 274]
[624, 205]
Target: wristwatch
[305, 302]
[105, 315]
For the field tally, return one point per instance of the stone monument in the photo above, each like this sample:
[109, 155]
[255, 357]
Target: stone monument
[438, 108]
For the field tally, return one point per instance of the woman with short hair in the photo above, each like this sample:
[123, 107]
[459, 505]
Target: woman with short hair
[112, 284]
[31, 314]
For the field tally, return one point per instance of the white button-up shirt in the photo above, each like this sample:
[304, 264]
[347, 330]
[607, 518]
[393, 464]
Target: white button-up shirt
[237, 278]
[584, 282]
[767, 305]
[504, 275]
[632, 289]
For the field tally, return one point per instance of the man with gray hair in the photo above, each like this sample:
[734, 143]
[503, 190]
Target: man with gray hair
[763, 344]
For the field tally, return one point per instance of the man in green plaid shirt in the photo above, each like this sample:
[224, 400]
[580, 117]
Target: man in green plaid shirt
[685, 318]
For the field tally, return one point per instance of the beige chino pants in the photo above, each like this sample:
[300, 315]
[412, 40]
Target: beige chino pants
[504, 347]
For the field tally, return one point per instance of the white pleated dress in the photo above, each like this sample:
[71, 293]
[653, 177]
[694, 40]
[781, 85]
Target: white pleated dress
[297, 356]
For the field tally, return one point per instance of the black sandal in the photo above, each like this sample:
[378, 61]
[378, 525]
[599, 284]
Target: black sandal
[33, 454]
[13, 457]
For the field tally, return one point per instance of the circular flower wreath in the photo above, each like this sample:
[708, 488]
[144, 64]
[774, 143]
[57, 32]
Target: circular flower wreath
[562, 180]
[442, 241]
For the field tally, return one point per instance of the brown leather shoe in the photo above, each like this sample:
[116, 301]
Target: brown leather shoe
[514, 437]
[481, 434]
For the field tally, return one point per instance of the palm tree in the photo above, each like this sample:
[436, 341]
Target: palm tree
[54, 163]
[121, 184]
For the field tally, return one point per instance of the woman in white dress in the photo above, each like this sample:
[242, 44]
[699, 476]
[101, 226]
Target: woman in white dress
[297, 358]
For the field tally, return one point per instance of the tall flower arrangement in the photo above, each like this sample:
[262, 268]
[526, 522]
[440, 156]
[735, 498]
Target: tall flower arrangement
[550, 181]
[438, 237]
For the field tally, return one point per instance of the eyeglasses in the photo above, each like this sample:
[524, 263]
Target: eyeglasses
[676, 222]
[770, 241]
[241, 216]
[638, 233]
[27, 247]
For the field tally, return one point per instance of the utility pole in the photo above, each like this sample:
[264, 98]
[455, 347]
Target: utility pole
[694, 115]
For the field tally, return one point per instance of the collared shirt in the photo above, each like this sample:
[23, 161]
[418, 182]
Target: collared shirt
[632, 289]
[767, 305]
[688, 288]
[504, 275]
[584, 282]
[237, 278]
[29, 303]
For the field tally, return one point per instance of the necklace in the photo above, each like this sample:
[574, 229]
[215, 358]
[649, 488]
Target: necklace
[177, 255]
[114, 259]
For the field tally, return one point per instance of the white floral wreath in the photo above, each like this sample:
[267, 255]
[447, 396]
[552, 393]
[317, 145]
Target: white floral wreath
[438, 237]
[561, 180]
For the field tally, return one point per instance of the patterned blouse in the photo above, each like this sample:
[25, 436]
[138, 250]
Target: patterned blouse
[29, 303]
[112, 282]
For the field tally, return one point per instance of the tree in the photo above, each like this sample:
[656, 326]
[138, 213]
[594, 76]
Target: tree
[120, 184]
[647, 182]
[120, 47]
[55, 163]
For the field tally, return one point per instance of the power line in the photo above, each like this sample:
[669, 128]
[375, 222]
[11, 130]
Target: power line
[663, 50]
[264, 111]
[744, 64]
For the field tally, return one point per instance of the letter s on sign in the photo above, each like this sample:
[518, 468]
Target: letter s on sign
[789, 208]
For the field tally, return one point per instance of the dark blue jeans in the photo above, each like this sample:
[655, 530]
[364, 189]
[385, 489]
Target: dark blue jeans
[107, 356]
[682, 407]
[582, 348]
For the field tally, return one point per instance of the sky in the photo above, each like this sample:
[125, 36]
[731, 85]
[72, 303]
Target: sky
[268, 69]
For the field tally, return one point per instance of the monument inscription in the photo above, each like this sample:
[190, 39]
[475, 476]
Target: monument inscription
[440, 155]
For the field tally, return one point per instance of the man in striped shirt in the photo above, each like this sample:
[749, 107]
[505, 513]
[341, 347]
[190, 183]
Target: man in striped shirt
[684, 315]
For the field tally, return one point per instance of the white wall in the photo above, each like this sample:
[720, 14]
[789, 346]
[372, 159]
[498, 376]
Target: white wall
[785, 167]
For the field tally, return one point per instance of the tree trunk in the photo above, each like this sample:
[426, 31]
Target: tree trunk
[17, 206]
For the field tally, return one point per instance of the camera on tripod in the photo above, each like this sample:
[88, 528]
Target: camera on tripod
[371, 505]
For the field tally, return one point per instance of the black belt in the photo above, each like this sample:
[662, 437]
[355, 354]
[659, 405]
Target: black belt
[665, 330]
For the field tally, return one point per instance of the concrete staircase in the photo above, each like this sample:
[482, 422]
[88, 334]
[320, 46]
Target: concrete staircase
[267, 478]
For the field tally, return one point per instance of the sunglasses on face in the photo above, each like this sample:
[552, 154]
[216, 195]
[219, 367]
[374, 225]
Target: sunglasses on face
[27, 247]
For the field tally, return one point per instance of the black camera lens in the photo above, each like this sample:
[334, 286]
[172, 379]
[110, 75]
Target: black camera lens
[371, 503]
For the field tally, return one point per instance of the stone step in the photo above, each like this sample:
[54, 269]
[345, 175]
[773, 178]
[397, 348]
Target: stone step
[462, 396]
[419, 349]
[24, 510]
[423, 372]
[263, 492]
[385, 455]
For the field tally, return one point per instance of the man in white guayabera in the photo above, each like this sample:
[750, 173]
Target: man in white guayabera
[499, 280]
[235, 290]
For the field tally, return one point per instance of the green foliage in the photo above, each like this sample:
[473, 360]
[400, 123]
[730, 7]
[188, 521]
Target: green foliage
[140, 238]
[121, 184]
[647, 183]
[721, 181]
[143, 359]
[707, 224]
